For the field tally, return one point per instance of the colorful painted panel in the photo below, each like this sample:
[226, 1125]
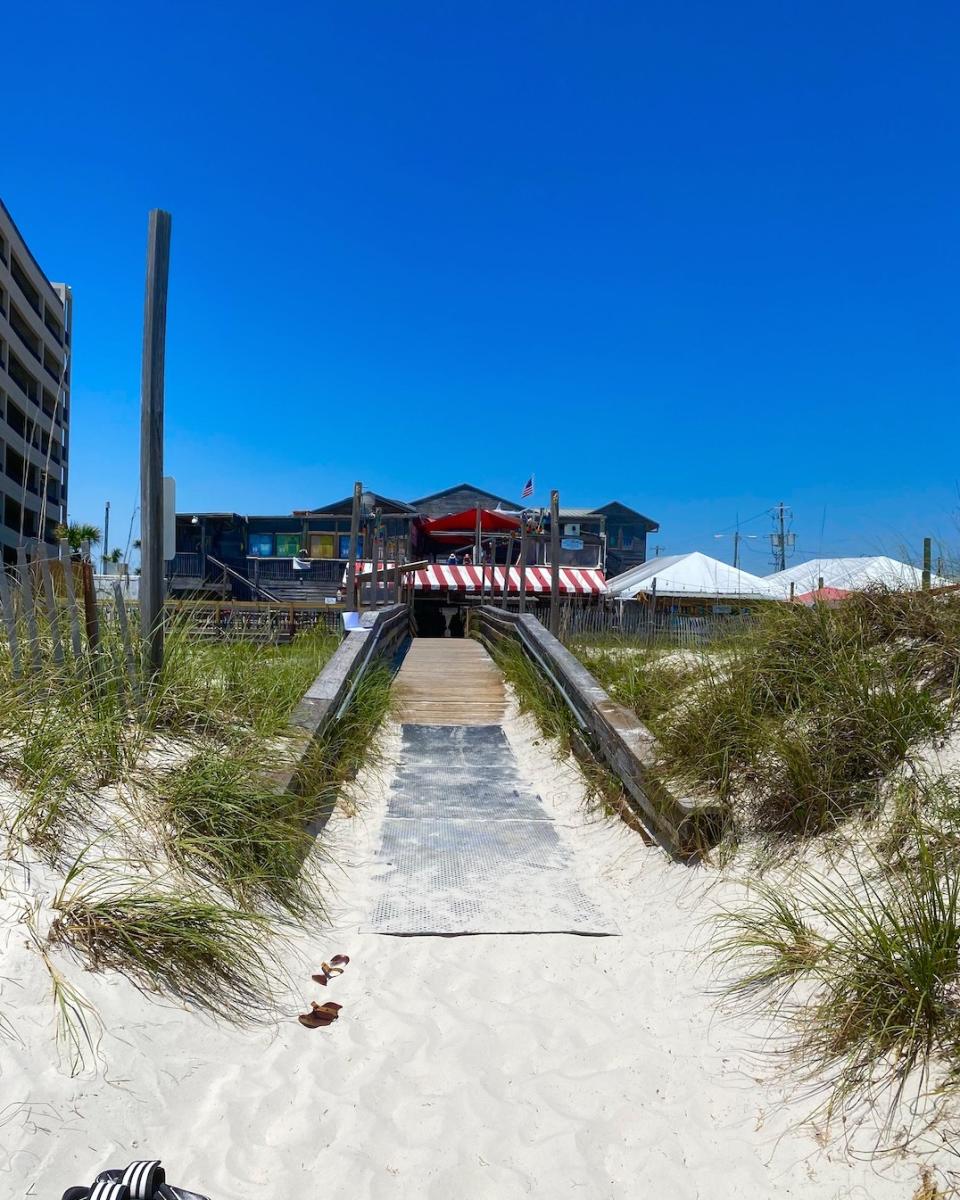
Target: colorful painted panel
[260, 545]
[288, 545]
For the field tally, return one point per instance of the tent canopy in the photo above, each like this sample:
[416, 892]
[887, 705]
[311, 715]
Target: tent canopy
[852, 575]
[692, 575]
[456, 526]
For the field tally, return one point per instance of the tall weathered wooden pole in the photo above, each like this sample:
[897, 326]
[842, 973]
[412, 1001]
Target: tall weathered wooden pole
[555, 562]
[506, 573]
[522, 587]
[354, 534]
[927, 556]
[151, 439]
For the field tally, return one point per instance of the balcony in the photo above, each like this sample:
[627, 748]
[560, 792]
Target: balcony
[54, 326]
[28, 338]
[22, 377]
[29, 292]
[52, 367]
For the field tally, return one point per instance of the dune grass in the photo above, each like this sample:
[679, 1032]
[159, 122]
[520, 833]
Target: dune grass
[864, 970]
[223, 821]
[183, 864]
[798, 722]
[184, 943]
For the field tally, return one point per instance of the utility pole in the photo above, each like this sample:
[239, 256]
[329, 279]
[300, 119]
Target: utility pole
[106, 536]
[151, 439]
[736, 550]
[781, 539]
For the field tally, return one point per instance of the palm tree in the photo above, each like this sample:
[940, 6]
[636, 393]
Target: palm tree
[76, 534]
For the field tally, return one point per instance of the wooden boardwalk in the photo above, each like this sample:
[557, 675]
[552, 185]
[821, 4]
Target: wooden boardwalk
[449, 681]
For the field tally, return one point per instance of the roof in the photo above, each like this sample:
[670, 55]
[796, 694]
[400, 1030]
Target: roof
[692, 574]
[30, 254]
[824, 595]
[616, 509]
[852, 574]
[346, 506]
[472, 487]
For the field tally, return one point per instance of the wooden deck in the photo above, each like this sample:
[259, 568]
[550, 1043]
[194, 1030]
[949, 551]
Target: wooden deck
[449, 681]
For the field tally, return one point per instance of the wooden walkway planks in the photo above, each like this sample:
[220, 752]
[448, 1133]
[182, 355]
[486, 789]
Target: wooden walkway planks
[449, 681]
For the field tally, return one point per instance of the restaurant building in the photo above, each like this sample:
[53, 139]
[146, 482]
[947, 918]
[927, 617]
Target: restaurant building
[303, 555]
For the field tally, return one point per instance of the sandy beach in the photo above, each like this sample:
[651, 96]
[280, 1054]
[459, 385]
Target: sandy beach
[469, 1067]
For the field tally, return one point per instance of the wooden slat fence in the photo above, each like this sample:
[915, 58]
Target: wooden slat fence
[634, 623]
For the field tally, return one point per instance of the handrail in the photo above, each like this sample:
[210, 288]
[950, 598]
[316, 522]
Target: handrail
[254, 587]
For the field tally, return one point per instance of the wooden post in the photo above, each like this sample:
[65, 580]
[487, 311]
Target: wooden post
[478, 560]
[66, 565]
[523, 564]
[506, 572]
[352, 560]
[151, 440]
[819, 583]
[90, 614]
[792, 589]
[653, 607]
[555, 562]
[29, 612]
[10, 620]
[51, 604]
[927, 550]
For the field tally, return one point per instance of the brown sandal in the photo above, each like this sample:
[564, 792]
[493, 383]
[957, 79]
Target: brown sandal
[333, 967]
[320, 1015]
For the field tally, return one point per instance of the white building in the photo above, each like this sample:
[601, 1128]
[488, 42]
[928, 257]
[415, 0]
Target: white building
[35, 322]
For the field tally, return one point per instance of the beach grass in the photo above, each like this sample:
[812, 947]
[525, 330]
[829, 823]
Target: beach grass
[185, 943]
[183, 863]
[798, 722]
[863, 968]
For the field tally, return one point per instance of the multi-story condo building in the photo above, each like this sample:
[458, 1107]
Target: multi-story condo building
[35, 319]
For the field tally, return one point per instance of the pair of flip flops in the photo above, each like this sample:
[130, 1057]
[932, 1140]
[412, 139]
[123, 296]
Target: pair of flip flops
[141, 1180]
[321, 1015]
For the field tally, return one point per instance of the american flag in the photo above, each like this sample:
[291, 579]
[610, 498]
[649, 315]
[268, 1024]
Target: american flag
[527, 489]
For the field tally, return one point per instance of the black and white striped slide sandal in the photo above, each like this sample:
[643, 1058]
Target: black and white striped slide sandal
[102, 1189]
[145, 1180]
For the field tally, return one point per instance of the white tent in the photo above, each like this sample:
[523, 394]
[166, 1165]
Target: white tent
[851, 575]
[692, 575]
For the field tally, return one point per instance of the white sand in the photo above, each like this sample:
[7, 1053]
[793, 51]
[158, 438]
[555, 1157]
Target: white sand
[461, 1068]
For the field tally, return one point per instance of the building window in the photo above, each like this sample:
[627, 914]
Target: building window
[260, 545]
[288, 545]
[321, 545]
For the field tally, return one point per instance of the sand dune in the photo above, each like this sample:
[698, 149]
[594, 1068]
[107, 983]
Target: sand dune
[469, 1068]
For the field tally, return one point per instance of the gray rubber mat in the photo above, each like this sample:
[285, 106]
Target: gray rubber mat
[468, 847]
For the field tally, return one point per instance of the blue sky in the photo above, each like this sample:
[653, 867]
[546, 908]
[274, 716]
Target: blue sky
[695, 257]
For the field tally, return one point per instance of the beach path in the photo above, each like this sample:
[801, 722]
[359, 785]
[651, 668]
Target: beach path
[467, 844]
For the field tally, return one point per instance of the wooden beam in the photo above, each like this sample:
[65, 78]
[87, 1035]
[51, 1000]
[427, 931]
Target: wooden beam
[555, 562]
[354, 533]
[151, 438]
